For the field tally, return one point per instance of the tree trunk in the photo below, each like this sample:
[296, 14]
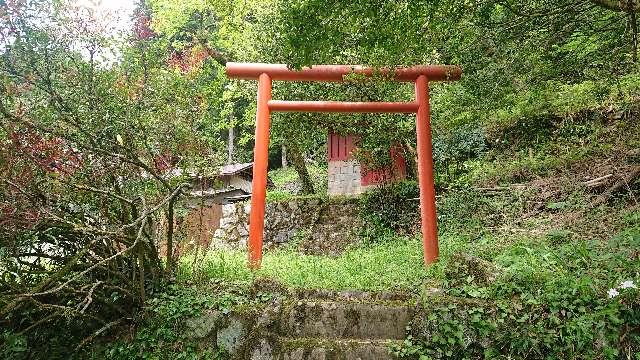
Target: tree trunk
[297, 160]
[634, 36]
[230, 145]
[170, 259]
[284, 157]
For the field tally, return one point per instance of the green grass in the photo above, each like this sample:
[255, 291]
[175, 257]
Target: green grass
[281, 178]
[394, 264]
[398, 265]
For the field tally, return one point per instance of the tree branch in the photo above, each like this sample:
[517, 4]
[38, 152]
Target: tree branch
[619, 5]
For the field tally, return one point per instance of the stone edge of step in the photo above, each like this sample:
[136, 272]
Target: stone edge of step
[322, 295]
[294, 343]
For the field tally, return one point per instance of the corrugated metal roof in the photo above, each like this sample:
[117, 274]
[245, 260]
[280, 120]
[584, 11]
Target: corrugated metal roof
[233, 169]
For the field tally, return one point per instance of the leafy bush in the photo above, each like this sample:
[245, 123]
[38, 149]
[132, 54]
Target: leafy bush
[162, 330]
[626, 89]
[574, 301]
[84, 154]
[389, 209]
[567, 323]
[14, 346]
[452, 150]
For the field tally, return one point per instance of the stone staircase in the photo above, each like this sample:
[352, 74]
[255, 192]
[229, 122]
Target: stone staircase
[342, 325]
[308, 325]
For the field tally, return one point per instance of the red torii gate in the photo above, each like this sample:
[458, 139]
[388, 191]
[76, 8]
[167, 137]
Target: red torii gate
[420, 75]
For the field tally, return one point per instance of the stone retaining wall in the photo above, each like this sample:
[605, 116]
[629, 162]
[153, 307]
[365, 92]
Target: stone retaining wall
[318, 225]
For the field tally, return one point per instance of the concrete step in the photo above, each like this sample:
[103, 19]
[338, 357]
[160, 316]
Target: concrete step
[354, 295]
[370, 320]
[316, 349]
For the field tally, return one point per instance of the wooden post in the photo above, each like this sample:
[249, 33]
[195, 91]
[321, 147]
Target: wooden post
[425, 172]
[260, 165]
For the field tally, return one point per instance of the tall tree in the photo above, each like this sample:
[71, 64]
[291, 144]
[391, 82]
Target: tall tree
[85, 145]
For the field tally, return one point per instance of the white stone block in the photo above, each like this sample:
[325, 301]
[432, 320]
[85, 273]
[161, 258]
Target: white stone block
[228, 210]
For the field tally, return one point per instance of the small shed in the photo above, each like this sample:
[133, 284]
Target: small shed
[232, 182]
[238, 176]
[204, 205]
[347, 176]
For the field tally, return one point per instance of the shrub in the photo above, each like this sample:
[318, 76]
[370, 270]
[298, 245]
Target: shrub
[578, 300]
[452, 150]
[569, 321]
[162, 331]
[392, 208]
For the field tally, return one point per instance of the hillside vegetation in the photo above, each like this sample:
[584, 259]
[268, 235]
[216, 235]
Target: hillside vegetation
[537, 258]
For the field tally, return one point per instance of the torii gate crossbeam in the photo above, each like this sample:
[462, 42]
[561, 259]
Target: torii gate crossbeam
[420, 75]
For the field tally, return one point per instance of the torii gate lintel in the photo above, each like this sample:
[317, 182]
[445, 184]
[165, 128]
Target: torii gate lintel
[421, 75]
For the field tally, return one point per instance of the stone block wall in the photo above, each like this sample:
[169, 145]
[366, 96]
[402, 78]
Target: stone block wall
[234, 227]
[344, 177]
[322, 226]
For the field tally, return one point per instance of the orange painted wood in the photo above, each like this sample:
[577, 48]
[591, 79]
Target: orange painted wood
[260, 165]
[336, 73]
[425, 173]
[343, 107]
[420, 74]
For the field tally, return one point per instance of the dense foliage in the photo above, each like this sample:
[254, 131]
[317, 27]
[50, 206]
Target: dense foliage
[389, 210]
[165, 331]
[86, 144]
[557, 309]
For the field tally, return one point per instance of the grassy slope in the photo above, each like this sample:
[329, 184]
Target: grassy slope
[554, 254]
[389, 265]
[547, 210]
[286, 181]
